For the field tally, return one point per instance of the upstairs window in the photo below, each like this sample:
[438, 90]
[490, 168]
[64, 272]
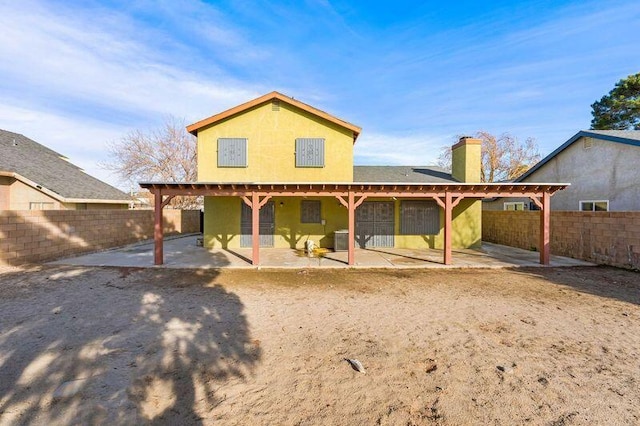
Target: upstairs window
[232, 152]
[594, 206]
[310, 152]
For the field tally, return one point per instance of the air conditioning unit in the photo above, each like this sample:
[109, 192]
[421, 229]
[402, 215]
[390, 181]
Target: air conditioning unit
[341, 240]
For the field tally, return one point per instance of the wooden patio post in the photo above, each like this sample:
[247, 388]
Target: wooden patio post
[255, 229]
[158, 256]
[448, 210]
[352, 228]
[545, 225]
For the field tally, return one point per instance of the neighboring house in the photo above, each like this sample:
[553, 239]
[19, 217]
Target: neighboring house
[602, 167]
[277, 139]
[33, 177]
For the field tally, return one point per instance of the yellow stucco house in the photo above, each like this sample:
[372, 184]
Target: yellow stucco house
[278, 140]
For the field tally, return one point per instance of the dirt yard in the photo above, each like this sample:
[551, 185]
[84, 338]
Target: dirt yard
[450, 347]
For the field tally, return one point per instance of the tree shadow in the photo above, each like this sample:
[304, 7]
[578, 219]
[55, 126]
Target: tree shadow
[119, 345]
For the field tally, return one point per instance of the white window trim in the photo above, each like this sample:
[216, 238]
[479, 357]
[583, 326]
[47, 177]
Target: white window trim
[513, 203]
[594, 205]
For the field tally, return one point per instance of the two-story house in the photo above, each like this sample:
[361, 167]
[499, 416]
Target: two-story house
[280, 171]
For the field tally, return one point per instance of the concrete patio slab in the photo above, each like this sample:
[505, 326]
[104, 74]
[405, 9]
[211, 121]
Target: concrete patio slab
[183, 252]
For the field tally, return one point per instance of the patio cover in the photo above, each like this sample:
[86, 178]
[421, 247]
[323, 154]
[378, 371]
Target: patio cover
[351, 195]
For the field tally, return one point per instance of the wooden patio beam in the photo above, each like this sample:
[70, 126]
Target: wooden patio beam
[352, 228]
[545, 225]
[448, 216]
[158, 255]
[255, 229]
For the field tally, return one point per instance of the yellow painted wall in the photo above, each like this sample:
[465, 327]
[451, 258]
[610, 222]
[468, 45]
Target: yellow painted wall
[466, 160]
[271, 147]
[222, 224]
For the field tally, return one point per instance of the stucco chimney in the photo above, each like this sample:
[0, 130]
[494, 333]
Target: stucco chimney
[466, 159]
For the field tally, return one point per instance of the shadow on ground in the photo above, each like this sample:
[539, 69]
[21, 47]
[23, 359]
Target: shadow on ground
[604, 281]
[118, 346]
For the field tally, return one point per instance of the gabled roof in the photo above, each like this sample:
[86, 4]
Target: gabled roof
[402, 174]
[627, 137]
[50, 172]
[193, 128]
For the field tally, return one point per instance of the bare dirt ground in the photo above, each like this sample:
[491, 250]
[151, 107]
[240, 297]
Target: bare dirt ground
[536, 346]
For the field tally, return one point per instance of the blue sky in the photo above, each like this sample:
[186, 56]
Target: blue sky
[75, 75]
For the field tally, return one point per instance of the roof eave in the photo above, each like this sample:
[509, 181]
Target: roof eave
[193, 128]
[57, 196]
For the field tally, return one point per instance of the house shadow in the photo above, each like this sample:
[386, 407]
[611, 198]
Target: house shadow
[119, 345]
[603, 281]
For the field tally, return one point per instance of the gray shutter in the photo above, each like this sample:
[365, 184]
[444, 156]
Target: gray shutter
[310, 211]
[232, 152]
[420, 218]
[310, 152]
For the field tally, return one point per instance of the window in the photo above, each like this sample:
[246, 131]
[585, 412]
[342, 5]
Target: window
[515, 205]
[41, 205]
[232, 152]
[419, 218]
[594, 206]
[310, 212]
[310, 152]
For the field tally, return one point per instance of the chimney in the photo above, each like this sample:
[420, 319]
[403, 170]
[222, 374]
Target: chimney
[466, 159]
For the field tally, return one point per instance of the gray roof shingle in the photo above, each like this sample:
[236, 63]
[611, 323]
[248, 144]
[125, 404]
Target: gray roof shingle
[401, 174]
[50, 170]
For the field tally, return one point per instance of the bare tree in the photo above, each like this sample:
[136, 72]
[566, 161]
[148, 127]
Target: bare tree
[503, 157]
[167, 154]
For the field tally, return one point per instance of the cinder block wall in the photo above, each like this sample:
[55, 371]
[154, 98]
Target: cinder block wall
[35, 236]
[608, 238]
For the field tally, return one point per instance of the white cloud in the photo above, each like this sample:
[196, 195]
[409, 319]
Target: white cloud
[397, 149]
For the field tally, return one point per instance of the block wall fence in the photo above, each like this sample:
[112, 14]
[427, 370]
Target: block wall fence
[36, 236]
[608, 238]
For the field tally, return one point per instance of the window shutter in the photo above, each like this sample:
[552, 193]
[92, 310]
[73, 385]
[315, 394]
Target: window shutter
[310, 211]
[310, 152]
[420, 218]
[232, 152]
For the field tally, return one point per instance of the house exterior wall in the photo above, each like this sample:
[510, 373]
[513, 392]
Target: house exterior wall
[603, 171]
[21, 195]
[16, 195]
[5, 192]
[222, 224]
[271, 147]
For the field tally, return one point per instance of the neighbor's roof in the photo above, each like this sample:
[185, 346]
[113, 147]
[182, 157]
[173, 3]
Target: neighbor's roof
[193, 128]
[627, 137]
[404, 174]
[50, 172]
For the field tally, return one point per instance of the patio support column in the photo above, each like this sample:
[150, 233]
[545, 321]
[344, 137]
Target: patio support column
[158, 256]
[448, 210]
[255, 229]
[545, 225]
[352, 228]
